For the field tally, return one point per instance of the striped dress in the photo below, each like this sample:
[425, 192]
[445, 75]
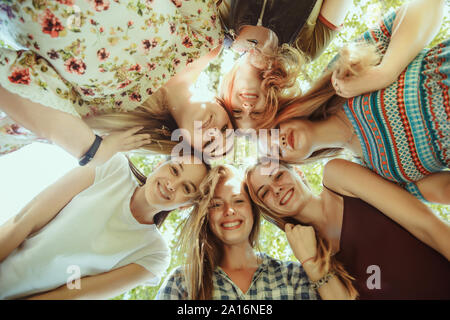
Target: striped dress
[404, 129]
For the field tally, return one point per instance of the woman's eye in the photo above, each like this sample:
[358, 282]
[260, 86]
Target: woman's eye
[174, 170]
[215, 205]
[264, 193]
[207, 143]
[237, 111]
[186, 189]
[279, 175]
[208, 122]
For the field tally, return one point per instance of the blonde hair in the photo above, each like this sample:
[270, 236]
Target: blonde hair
[203, 250]
[324, 254]
[321, 101]
[279, 81]
[153, 115]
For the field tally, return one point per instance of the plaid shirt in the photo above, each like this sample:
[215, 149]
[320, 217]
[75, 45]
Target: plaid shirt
[273, 280]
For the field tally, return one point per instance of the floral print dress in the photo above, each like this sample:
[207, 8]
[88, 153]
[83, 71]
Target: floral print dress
[91, 56]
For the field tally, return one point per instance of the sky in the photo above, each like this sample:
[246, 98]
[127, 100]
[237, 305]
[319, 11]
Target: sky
[26, 172]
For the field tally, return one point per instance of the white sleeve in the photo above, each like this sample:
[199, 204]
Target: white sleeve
[118, 164]
[157, 263]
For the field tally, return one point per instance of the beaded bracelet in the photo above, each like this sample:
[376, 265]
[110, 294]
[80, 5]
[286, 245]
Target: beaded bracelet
[317, 284]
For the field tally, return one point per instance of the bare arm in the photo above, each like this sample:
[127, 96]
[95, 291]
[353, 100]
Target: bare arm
[66, 130]
[302, 240]
[436, 187]
[43, 208]
[102, 286]
[345, 176]
[51, 124]
[415, 25]
[335, 11]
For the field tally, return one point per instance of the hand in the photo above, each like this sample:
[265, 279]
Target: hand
[302, 241]
[349, 85]
[117, 142]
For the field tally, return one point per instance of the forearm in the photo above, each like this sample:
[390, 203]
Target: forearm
[414, 27]
[334, 289]
[335, 11]
[102, 286]
[63, 129]
[12, 234]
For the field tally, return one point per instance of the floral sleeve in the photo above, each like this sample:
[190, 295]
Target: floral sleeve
[30, 76]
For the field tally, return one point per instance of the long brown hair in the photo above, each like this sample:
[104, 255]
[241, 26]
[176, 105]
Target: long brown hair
[321, 100]
[203, 250]
[153, 115]
[324, 254]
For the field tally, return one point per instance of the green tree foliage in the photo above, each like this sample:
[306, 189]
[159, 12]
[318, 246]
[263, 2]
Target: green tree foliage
[365, 13]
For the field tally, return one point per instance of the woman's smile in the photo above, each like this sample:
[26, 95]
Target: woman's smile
[231, 224]
[164, 193]
[287, 197]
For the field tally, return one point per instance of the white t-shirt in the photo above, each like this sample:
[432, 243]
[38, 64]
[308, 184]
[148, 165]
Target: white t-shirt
[94, 233]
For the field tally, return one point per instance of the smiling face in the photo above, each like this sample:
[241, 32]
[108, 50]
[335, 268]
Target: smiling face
[278, 190]
[174, 184]
[294, 142]
[245, 95]
[230, 211]
[208, 123]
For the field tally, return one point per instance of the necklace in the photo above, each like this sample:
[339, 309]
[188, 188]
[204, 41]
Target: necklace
[352, 134]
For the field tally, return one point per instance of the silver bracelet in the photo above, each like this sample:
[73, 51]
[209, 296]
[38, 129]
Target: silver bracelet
[317, 284]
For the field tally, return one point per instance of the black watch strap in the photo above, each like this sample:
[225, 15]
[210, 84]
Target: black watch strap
[91, 152]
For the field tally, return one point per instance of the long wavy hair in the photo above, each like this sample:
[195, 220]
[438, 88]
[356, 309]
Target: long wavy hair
[321, 100]
[279, 81]
[324, 254]
[202, 249]
[153, 115]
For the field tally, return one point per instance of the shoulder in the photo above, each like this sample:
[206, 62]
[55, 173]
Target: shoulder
[277, 266]
[174, 286]
[118, 164]
[336, 173]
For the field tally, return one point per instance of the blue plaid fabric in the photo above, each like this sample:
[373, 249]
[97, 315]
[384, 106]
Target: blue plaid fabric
[273, 280]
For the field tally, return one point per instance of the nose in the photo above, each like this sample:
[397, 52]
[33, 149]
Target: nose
[247, 107]
[277, 190]
[283, 141]
[229, 211]
[170, 186]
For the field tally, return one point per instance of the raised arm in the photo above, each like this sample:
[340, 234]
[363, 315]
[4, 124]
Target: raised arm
[345, 177]
[66, 130]
[335, 11]
[416, 24]
[43, 208]
[102, 286]
[302, 240]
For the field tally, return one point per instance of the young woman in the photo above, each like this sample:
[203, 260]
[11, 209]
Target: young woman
[269, 31]
[168, 109]
[372, 228]
[78, 57]
[219, 239]
[94, 233]
[401, 132]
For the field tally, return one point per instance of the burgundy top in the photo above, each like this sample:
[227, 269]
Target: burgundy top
[408, 268]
